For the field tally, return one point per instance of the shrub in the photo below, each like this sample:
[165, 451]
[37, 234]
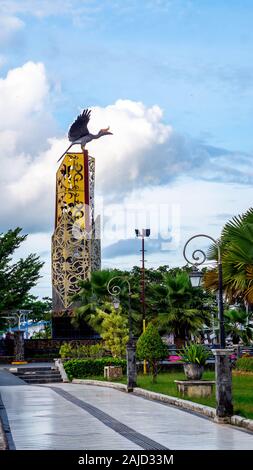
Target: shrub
[195, 354]
[88, 351]
[67, 350]
[115, 333]
[151, 347]
[245, 364]
[81, 368]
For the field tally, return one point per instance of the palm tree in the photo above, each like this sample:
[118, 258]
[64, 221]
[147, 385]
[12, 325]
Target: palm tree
[237, 325]
[237, 259]
[186, 314]
[91, 296]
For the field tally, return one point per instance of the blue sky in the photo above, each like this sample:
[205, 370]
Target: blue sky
[191, 59]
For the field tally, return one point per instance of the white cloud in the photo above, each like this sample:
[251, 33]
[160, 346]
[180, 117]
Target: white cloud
[144, 163]
[23, 92]
[27, 169]
[9, 27]
[143, 152]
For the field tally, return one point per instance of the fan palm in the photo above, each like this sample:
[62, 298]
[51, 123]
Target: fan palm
[92, 294]
[236, 245]
[185, 315]
[237, 326]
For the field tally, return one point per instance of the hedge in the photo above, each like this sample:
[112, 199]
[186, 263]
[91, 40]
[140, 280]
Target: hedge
[81, 368]
[245, 363]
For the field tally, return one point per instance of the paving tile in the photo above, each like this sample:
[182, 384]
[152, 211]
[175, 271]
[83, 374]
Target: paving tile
[41, 419]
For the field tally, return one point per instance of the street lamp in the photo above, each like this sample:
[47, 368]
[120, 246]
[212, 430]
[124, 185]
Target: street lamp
[195, 277]
[144, 233]
[223, 373]
[199, 257]
[115, 291]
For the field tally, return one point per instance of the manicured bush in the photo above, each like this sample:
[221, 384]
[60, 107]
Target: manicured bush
[245, 363]
[81, 368]
[151, 347]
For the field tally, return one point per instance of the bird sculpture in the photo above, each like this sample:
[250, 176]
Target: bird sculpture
[79, 134]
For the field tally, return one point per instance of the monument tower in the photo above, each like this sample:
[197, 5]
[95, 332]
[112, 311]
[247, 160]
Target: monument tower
[76, 250]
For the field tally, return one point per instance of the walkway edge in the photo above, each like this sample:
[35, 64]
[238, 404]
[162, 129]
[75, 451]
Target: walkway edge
[186, 405]
[100, 383]
[3, 438]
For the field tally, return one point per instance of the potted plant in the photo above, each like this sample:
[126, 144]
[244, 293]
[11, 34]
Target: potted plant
[194, 357]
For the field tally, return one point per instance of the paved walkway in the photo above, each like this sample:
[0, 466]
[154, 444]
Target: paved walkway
[72, 416]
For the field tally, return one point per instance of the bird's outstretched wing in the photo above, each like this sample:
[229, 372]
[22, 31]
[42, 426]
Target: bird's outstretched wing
[79, 128]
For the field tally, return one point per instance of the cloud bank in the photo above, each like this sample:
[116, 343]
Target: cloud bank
[144, 152]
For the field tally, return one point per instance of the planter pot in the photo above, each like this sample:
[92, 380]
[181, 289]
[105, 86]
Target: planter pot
[193, 371]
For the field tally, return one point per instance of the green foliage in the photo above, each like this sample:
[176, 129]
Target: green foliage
[188, 308]
[171, 303]
[115, 332]
[16, 279]
[82, 351]
[194, 354]
[236, 244]
[81, 368]
[40, 309]
[44, 334]
[237, 325]
[151, 347]
[245, 364]
[67, 350]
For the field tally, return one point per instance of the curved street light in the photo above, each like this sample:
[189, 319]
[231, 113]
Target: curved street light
[115, 291]
[199, 257]
[223, 374]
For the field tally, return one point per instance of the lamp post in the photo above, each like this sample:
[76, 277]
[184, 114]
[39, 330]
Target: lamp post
[144, 233]
[224, 409]
[19, 349]
[115, 291]
[195, 277]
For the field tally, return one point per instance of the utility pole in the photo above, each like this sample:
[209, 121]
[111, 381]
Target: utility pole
[144, 233]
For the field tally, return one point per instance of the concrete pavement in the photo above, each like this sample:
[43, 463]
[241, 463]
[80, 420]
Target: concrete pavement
[71, 416]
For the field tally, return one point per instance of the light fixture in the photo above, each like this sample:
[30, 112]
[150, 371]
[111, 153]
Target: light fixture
[195, 277]
[115, 302]
[145, 232]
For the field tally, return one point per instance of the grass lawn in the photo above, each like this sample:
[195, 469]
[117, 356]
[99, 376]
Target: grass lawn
[242, 389]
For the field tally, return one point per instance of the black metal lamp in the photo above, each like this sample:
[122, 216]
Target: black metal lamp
[195, 277]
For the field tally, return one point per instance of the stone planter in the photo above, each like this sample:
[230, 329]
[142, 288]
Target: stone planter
[193, 371]
[195, 388]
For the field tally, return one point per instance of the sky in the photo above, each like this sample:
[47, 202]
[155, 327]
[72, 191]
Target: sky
[173, 79]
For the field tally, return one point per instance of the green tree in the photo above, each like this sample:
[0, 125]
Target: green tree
[237, 325]
[16, 278]
[188, 308]
[44, 334]
[114, 331]
[92, 296]
[151, 347]
[40, 309]
[236, 244]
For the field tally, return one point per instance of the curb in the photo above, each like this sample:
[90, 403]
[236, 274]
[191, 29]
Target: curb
[3, 439]
[186, 405]
[99, 383]
[177, 402]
